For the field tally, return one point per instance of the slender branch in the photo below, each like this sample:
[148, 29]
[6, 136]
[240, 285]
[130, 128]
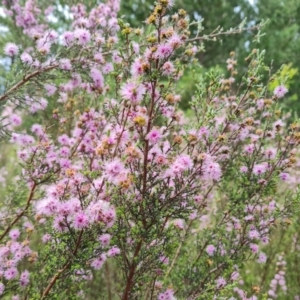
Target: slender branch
[126, 295]
[235, 31]
[65, 267]
[25, 80]
[21, 214]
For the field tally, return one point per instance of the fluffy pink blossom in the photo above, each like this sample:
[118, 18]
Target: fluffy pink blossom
[153, 136]
[244, 169]
[50, 89]
[136, 48]
[64, 140]
[105, 239]
[280, 91]
[11, 49]
[262, 258]
[81, 221]
[15, 120]
[65, 64]
[133, 92]
[46, 238]
[113, 170]
[254, 248]
[284, 176]
[163, 51]
[259, 169]
[168, 68]
[24, 278]
[167, 295]
[253, 234]
[249, 149]
[68, 38]
[37, 129]
[107, 68]
[26, 58]
[179, 223]
[97, 77]
[210, 249]
[11, 273]
[184, 161]
[211, 170]
[113, 251]
[175, 41]
[14, 234]
[97, 263]
[221, 282]
[137, 67]
[83, 36]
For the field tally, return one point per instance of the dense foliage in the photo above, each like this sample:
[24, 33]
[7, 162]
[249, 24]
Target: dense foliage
[113, 191]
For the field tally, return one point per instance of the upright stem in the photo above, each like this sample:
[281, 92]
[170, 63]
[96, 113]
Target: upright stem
[61, 271]
[21, 214]
[131, 272]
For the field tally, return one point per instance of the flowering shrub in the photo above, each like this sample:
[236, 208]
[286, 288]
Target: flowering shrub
[117, 186]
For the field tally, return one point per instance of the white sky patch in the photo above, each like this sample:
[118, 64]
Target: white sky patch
[2, 14]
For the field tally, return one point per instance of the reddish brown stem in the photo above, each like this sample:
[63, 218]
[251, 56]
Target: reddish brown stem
[21, 214]
[65, 267]
[131, 272]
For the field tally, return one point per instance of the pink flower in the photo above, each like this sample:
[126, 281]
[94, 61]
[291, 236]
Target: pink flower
[259, 169]
[262, 258]
[64, 140]
[37, 129]
[249, 149]
[280, 91]
[113, 251]
[14, 234]
[107, 68]
[284, 176]
[179, 223]
[68, 38]
[168, 68]
[153, 136]
[105, 239]
[11, 273]
[83, 36]
[253, 234]
[11, 49]
[221, 282]
[46, 238]
[97, 77]
[254, 248]
[97, 263]
[24, 278]
[114, 168]
[50, 89]
[184, 161]
[244, 169]
[135, 47]
[15, 120]
[137, 68]
[133, 92]
[163, 51]
[211, 170]
[26, 58]
[210, 249]
[175, 41]
[270, 153]
[81, 221]
[65, 64]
